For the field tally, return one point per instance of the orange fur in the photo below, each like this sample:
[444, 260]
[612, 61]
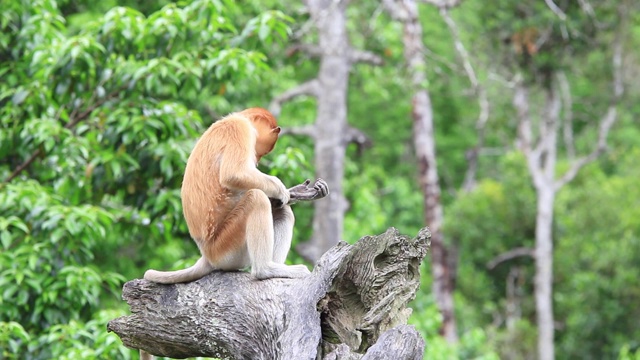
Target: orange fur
[222, 166]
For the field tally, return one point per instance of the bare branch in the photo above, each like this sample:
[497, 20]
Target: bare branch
[556, 10]
[605, 124]
[353, 135]
[509, 255]
[601, 146]
[494, 151]
[364, 56]
[307, 26]
[310, 49]
[575, 167]
[459, 46]
[545, 35]
[549, 133]
[23, 166]
[397, 12]
[521, 103]
[525, 136]
[618, 84]
[310, 88]
[483, 117]
[304, 130]
[567, 123]
[443, 4]
[515, 280]
[587, 8]
[483, 101]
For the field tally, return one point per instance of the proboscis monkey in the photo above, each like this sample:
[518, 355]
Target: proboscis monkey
[227, 206]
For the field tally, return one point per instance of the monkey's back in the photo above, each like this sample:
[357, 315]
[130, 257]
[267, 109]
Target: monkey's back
[205, 202]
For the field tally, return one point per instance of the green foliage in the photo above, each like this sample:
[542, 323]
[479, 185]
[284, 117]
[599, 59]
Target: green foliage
[532, 37]
[626, 354]
[499, 215]
[601, 274]
[473, 343]
[13, 339]
[46, 244]
[97, 122]
[81, 340]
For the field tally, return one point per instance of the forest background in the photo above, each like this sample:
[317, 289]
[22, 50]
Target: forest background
[101, 102]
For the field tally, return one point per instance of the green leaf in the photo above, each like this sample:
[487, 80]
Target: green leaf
[6, 239]
[9, 291]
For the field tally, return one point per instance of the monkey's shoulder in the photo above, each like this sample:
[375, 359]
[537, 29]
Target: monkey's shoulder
[235, 123]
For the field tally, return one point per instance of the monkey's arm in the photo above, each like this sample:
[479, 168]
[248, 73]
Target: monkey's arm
[305, 192]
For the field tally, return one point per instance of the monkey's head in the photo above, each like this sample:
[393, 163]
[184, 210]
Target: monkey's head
[267, 127]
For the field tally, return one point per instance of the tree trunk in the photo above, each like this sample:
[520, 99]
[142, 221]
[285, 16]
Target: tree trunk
[407, 12]
[440, 263]
[541, 156]
[545, 196]
[330, 124]
[353, 306]
[544, 272]
[331, 132]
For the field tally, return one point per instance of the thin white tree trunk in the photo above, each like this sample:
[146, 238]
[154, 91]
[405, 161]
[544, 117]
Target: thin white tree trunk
[331, 124]
[545, 193]
[544, 272]
[541, 155]
[541, 151]
[331, 132]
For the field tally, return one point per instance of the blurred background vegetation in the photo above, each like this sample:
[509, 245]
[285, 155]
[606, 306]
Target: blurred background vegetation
[101, 102]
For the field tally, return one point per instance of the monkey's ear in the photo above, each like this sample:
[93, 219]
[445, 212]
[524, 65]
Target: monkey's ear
[276, 130]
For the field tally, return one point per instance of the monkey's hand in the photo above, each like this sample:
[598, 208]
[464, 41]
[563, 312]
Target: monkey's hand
[304, 192]
[279, 194]
[309, 192]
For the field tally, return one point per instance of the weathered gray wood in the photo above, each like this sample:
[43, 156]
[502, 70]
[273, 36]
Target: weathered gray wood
[375, 283]
[400, 343]
[359, 291]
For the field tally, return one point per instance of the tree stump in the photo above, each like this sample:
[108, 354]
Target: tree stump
[352, 306]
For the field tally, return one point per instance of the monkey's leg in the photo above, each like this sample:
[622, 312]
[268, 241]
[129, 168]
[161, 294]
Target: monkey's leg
[283, 221]
[254, 212]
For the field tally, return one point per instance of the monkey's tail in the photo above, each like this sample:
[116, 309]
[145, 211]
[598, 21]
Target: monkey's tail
[198, 270]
